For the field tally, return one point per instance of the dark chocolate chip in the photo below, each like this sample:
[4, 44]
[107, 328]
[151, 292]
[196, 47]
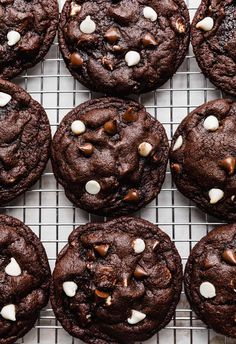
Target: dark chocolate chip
[131, 196]
[76, 60]
[112, 35]
[228, 165]
[130, 115]
[140, 272]
[102, 249]
[87, 149]
[229, 256]
[148, 40]
[110, 127]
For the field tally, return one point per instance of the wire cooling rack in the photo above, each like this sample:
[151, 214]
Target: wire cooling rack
[52, 217]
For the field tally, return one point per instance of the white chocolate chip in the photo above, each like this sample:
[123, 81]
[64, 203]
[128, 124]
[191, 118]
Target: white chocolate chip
[232, 198]
[138, 245]
[88, 316]
[178, 143]
[13, 37]
[136, 317]
[87, 25]
[207, 290]
[132, 58]
[149, 13]
[9, 312]
[206, 24]
[70, 288]
[74, 8]
[78, 127]
[211, 123]
[13, 268]
[108, 301]
[92, 187]
[215, 195]
[144, 149]
[4, 99]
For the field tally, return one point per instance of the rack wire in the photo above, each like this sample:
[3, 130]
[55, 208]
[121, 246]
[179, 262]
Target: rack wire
[52, 217]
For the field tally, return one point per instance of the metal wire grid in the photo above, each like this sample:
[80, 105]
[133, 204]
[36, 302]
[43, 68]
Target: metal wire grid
[52, 217]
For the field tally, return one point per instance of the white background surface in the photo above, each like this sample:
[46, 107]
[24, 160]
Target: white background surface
[47, 211]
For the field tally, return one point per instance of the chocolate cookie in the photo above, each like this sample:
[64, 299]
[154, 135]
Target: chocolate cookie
[25, 279]
[110, 155]
[27, 30]
[24, 141]
[203, 158]
[214, 42]
[210, 281]
[116, 282]
[122, 47]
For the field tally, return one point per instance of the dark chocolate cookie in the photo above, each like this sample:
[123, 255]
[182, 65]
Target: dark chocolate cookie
[110, 155]
[24, 141]
[25, 279]
[27, 30]
[210, 281]
[214, 42]
[116, 282]
[122, 47]
[203, 158]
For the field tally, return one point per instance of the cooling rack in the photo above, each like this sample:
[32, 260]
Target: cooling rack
[52, 217]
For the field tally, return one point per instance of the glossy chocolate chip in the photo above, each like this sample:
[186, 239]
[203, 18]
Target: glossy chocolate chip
[112, 35]
[102, 249]
[131, 196]
[148, 40]
[139, 272]
[228, 165]
[130, 115]
[229, 256]
[110, 127]
[87, 149]
[76, 60]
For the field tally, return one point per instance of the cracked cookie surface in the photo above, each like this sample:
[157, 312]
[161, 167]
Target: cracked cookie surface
[116, 282]
[25, 138]
[25, 279]
[122, 47]
[210, 282]
[110, 155]
[203, 158]
[213, 35]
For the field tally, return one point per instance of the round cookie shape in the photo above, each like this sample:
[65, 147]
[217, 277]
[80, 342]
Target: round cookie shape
[117, 163]
[27, 30]
[25, 139]
[120, 294]
[213, 35]
[25, 279]
[123, 47]
[203, 158]
[210, 282]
